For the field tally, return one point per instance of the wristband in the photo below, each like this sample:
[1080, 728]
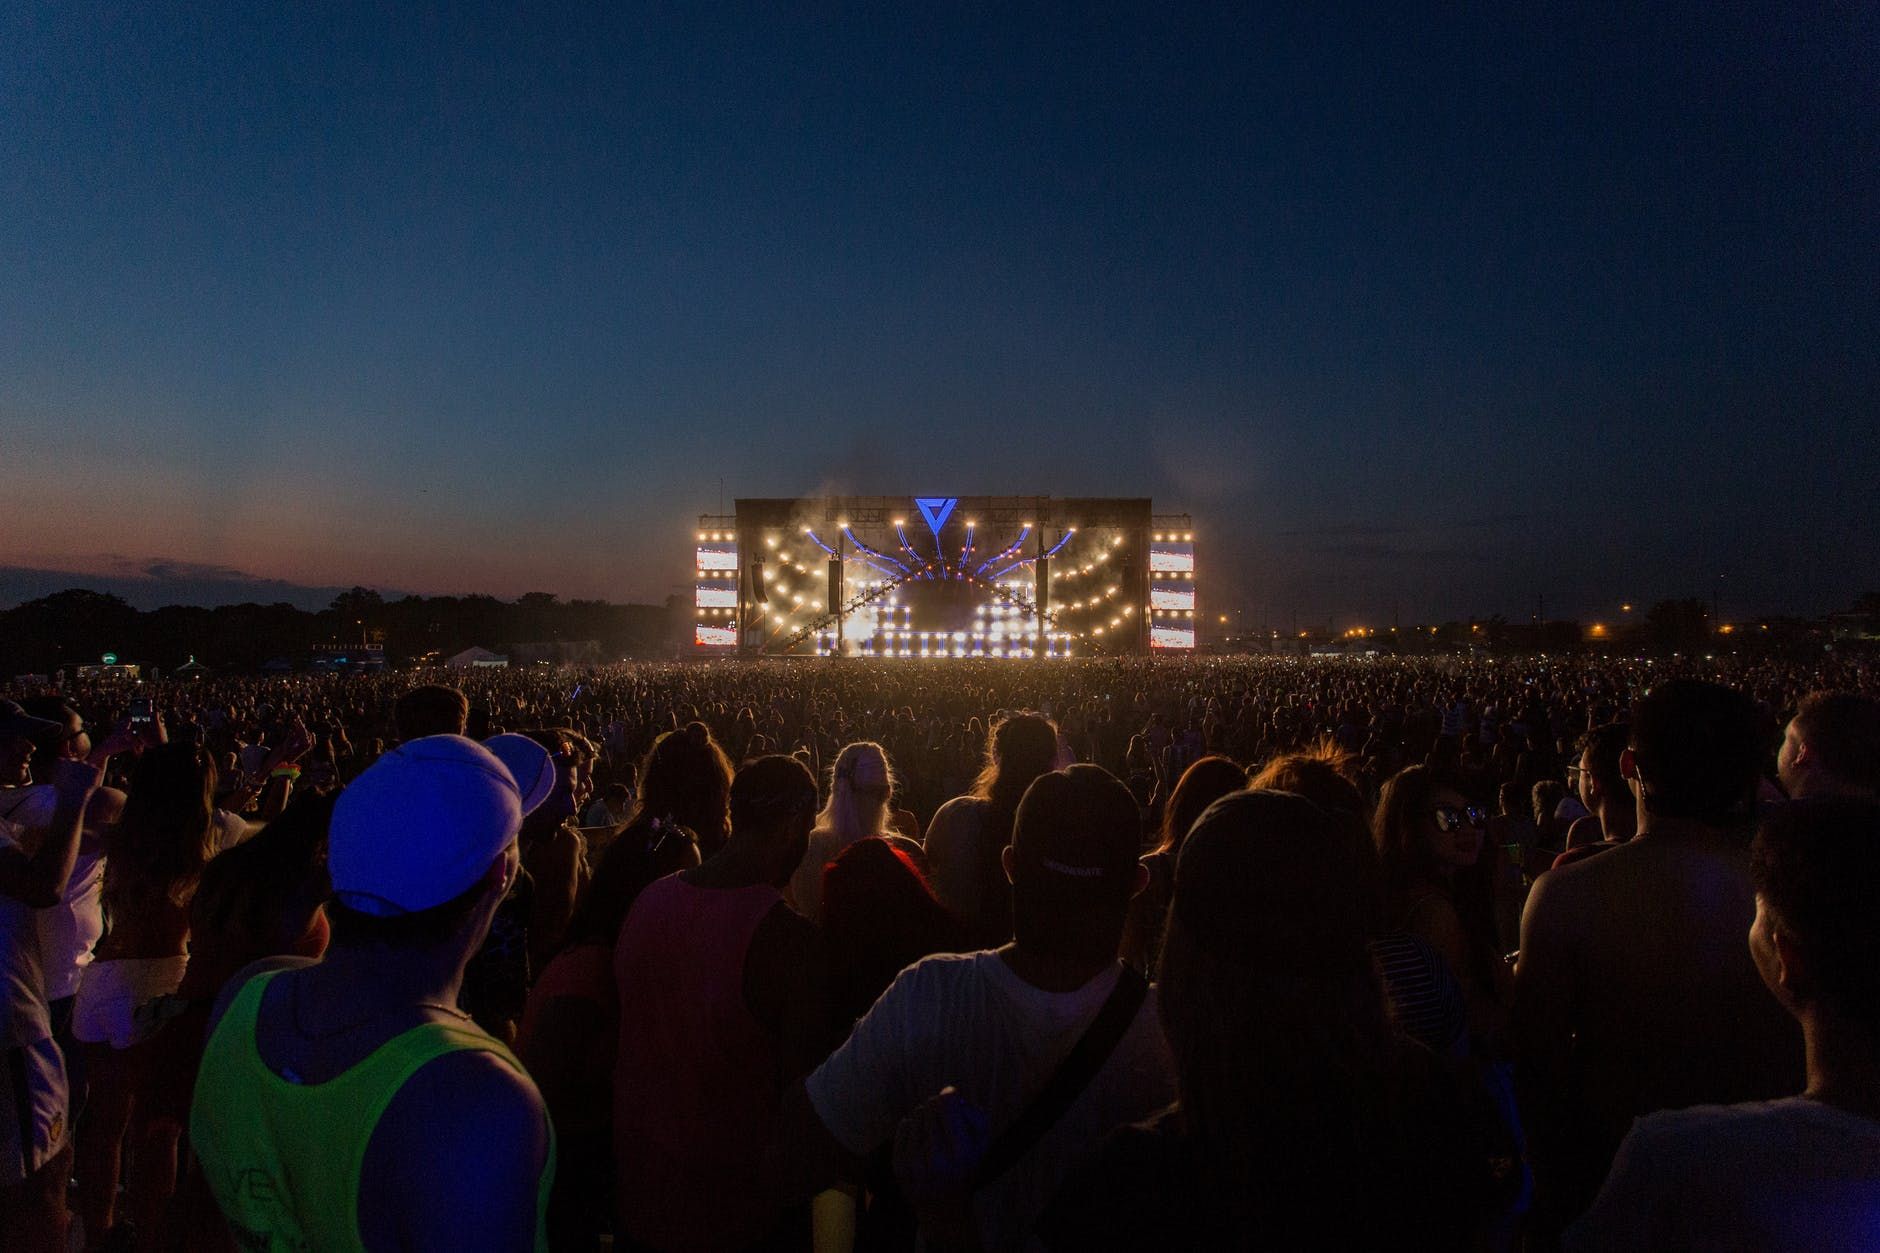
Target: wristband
[284, 772]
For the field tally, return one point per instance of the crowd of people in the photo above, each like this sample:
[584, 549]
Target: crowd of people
[869, 955]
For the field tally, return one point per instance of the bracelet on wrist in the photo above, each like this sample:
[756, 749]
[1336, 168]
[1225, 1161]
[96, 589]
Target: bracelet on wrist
[284, 772]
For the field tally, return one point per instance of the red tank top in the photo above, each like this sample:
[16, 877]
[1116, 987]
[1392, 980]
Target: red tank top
[695, 1088]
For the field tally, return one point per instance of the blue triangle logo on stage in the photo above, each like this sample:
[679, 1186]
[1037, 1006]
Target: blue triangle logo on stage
[936, 509]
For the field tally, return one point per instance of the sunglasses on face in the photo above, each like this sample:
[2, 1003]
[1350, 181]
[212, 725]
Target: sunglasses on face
[1449, 818]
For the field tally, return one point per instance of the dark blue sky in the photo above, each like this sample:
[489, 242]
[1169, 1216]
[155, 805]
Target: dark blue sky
[1428, 307]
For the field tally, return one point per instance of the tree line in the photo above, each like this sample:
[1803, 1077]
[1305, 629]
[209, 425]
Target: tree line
[79, 626]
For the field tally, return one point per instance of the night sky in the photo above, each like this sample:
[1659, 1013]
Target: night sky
[1441, 309]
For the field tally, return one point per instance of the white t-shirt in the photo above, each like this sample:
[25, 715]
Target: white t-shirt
[969, 1021]
[1793, 1174]
[69, 930]
[24, 1017]
[227, 830]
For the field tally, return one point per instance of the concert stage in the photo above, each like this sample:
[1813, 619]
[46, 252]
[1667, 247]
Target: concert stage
[944, 576]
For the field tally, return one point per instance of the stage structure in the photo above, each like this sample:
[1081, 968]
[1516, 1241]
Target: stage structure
[945, 576]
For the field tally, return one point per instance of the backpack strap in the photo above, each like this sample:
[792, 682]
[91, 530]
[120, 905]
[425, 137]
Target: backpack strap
[1068, 1081]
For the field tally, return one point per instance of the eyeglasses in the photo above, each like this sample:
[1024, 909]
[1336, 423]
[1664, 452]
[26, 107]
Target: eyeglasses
[1449, 818]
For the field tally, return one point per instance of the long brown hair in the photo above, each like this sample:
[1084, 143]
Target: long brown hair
[165, 836]
[686, 779]
[1273, 1010]
[1402, 844]
[1022, 746]
[260, 897]
[1204, 782]
[1404, 853]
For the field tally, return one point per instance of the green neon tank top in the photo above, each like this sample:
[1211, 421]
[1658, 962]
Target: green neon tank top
[284, 1159]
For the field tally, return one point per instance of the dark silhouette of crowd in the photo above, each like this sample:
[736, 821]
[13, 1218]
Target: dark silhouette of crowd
[1161, 953]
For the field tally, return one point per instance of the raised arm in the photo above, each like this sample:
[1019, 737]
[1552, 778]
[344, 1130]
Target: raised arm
[282, 770]
[39, 880]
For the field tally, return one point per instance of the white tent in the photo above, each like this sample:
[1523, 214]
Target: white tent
[476, 656]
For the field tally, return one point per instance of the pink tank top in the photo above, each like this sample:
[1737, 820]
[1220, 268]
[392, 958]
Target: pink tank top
[695, 1088]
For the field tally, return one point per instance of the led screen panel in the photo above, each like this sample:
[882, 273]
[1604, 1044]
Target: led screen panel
[1167, 558]
[715, 636]
[1171, 598]
[715, 596]
[1171, 637]
[718, 557]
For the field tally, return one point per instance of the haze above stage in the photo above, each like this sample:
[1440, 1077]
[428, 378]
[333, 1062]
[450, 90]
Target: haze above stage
[944, 576]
